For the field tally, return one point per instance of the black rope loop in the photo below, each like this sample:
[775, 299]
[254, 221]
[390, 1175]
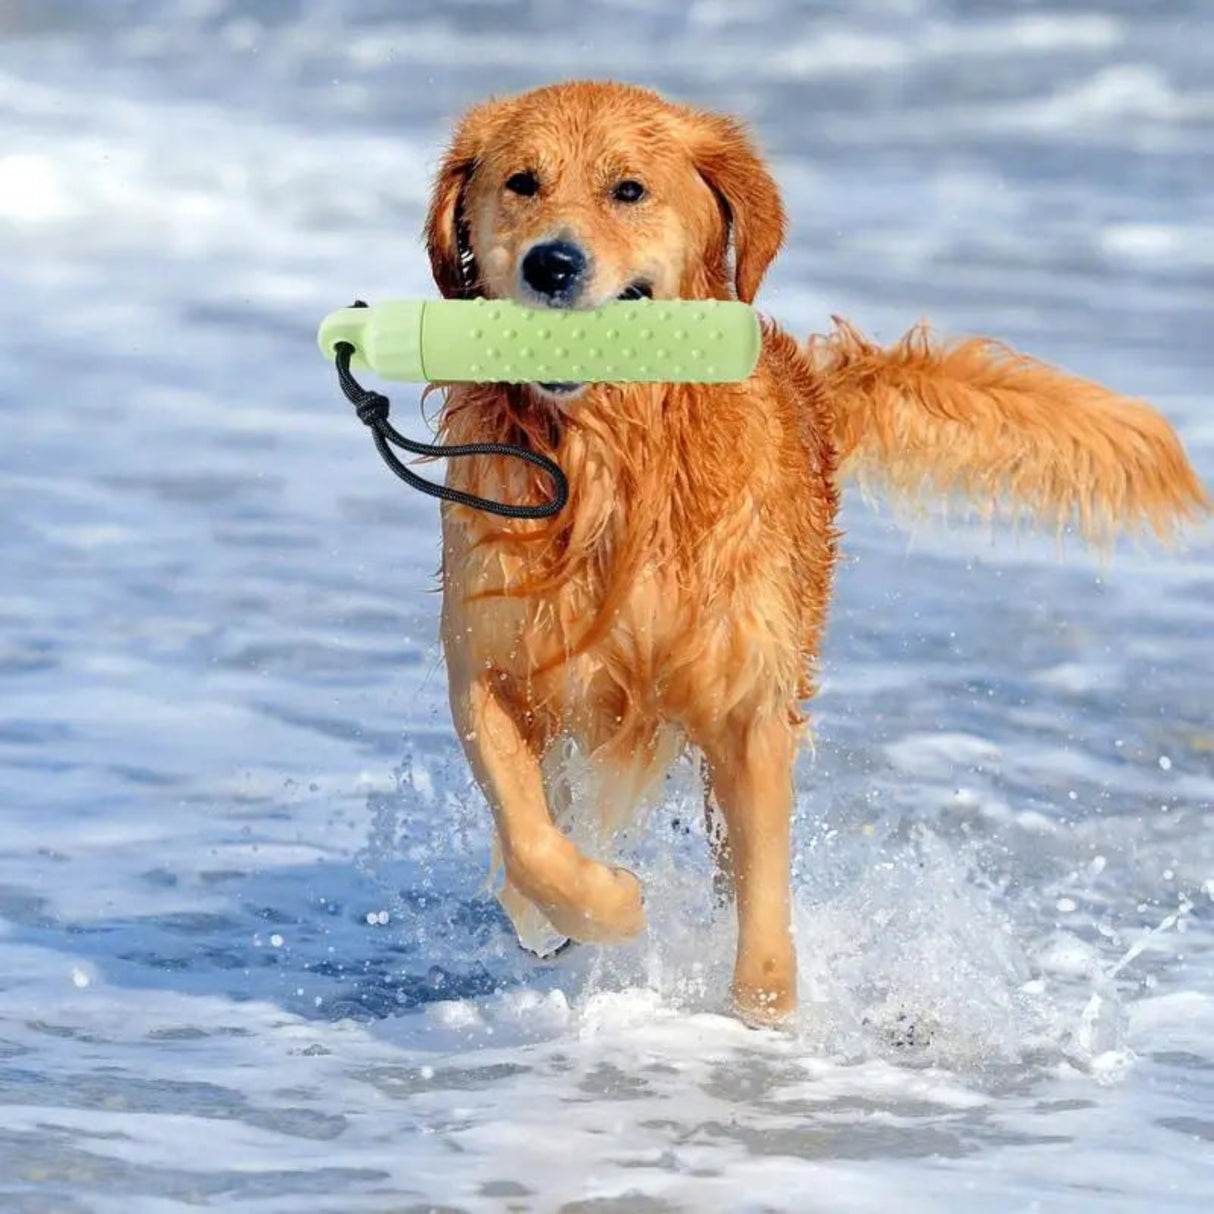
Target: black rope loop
[372, 409]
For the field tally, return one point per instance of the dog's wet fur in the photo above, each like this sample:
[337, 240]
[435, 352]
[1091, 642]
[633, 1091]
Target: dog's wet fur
[680, 598]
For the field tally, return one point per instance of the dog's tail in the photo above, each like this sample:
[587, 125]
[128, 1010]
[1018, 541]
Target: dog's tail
[978, 419]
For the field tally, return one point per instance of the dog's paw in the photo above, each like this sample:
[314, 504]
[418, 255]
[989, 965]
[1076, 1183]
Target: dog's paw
[765, 985]
[608, 907]
[760, 1008]
[548, 954]
[536, 935]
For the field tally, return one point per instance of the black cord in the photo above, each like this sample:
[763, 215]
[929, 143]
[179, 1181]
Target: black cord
[372, 409]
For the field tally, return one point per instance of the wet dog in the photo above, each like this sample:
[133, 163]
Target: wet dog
[680, 599]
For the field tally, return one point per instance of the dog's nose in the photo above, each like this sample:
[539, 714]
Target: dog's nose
[553, 268]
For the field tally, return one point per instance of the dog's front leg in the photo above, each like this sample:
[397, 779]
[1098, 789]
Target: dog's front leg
[750, 768]
[581, 898]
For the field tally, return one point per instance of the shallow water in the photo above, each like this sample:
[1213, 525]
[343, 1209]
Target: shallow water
[246, 957]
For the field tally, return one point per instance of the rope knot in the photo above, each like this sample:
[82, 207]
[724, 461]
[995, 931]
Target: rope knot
[372, 409]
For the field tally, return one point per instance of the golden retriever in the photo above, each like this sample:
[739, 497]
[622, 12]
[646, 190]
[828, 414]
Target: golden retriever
[680, 598]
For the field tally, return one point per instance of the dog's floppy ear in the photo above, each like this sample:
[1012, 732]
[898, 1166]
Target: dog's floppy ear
[446, 231]
[447, 242]
[726, 158]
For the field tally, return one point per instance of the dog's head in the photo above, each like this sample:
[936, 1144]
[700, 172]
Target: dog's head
[577, 194]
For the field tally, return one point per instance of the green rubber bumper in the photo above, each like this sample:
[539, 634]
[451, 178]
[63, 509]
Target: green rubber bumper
[496, 341]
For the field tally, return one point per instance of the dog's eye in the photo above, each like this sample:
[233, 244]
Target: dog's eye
[525, 184]
[628, 191]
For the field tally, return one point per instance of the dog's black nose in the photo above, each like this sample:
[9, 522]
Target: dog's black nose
[553, 268]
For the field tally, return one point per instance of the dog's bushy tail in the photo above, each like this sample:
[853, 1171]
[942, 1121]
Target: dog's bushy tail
[1009, 433]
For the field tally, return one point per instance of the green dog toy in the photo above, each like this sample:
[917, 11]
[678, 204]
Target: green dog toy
[494, 341]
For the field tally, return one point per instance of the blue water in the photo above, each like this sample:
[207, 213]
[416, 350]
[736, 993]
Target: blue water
[247, 961]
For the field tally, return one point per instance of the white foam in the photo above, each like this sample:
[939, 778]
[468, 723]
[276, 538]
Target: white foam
[120, 177]
[1125, 92]
[830, 50]
[941, 754]
[1159, 244]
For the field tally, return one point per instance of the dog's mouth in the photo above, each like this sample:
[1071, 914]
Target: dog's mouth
[641, 289]
[637, 290]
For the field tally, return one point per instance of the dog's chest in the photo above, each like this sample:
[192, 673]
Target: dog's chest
[608, 657]
[487, 609]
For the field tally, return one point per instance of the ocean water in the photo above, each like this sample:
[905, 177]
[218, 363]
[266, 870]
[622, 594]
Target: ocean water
[247, 960]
